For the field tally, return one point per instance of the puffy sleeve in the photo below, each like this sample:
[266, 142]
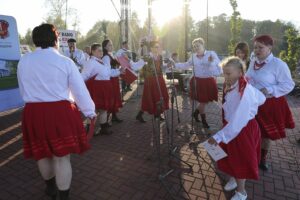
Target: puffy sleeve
[246, 110]
[137, 65]
[285, 83]
[114, 72]
[87, 71]
[79, 92]
[217, 70]
[185, 65]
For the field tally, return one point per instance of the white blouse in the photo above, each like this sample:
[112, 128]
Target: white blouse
[239, 111]
[106, 60]
[47, 76]
[136, 66]
[203, 67]
[94, 67]
[275, 76]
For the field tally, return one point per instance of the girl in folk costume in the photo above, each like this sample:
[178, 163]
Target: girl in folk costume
[155, 99]
[111, 61]
[206, 69]
[241, 50]
[240, 135]
[273, 77]
[97, 76]
[51, 124]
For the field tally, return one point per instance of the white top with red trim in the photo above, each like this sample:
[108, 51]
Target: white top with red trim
[95, 66]
[238, 111]
[275, 76]
[204, 68]
[47, 76]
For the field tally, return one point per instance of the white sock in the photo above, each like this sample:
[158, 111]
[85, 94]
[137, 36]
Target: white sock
[102, 116]
[46, 169]
[63, 171]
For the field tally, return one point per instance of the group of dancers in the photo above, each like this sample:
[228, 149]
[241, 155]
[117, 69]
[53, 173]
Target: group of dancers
[255, 111]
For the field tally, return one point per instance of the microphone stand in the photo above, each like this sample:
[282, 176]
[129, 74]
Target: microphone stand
[194, 85]
[162, 176]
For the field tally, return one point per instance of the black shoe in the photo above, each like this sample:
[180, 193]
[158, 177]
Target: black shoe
[115, 118]
[51, 189]
[63, 194]
[104, 130]
[140, 118]
[195, 115]
[129, 89]
[263, 166]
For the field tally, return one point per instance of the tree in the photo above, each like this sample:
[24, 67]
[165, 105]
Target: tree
[57, 14]
[27, 39]
[236, 24]
[292, 55]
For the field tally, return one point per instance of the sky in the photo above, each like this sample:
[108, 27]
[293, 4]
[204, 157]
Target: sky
[31, 13]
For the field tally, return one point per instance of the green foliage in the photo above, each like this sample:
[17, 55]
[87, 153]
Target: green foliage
[236, 25]
[221, 33]
[292, 54]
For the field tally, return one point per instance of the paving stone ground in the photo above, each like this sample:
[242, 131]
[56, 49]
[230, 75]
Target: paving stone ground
[124, 165]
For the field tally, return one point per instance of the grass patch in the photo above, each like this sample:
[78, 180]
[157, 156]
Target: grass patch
[8, 82]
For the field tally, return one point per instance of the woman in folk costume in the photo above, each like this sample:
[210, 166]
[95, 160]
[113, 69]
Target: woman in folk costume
[97, 76]
[273, 77]
[240, 136]
[111, 61]
[155, 99]
[206, 69]
[51, 124]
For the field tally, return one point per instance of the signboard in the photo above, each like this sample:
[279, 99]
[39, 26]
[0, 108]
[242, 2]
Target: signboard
[63, 37]
[10, 54]
[9, 39]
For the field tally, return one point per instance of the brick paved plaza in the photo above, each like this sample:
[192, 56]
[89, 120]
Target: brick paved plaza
[124, 165]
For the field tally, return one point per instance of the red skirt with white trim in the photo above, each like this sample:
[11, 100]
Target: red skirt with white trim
[52, 129]
[206, 89]
[116, 95]
[274, 116]
[243, 153]
[151, 95]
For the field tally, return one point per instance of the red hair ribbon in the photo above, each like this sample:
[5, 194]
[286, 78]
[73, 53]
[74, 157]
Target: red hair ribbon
[242, 85]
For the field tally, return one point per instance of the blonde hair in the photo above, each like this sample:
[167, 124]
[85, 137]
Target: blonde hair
[233, 61]
[198, 40]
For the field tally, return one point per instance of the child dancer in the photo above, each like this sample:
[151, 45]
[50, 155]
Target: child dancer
[240, 136]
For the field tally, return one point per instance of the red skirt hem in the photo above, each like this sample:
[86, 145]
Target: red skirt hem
[116, 93]
[243, 153]
[273, 122]
[151, 95]
[52, 129]
[206, 89]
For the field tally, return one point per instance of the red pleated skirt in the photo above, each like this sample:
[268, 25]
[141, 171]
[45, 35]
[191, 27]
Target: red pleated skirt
[243, 153]
[151, 95]
[103, 94]
[274, 116]
[206, 89]
[116, 95]
[52, 129]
